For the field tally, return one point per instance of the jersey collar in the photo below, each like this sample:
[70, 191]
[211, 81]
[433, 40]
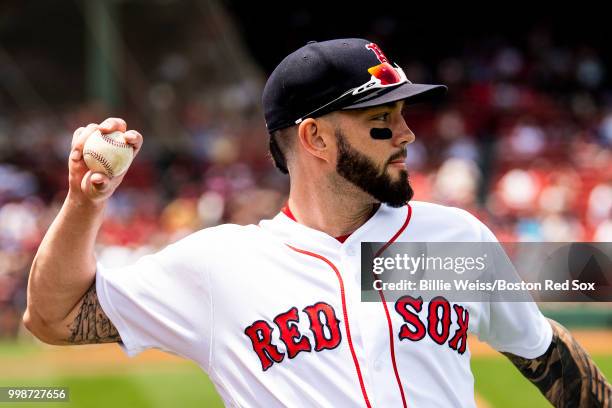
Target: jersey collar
[287, 211]
[379, 228]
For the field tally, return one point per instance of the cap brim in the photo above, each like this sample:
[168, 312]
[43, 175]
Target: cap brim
[411, 93]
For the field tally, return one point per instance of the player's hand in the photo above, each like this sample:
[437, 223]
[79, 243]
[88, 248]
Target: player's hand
[89, 187]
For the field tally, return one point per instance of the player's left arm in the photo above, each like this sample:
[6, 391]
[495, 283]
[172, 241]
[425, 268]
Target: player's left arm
[566, 374]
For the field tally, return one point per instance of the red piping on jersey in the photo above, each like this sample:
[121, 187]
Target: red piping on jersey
[384, 303]
[287, 211]
[346, 322]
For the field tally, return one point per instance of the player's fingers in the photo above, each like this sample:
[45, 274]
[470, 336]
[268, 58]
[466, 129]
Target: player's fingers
[99, 180]
[76, 169]
[75, 156]
[76, 134]
[76, 164]
[112, 124]
[79, 137]
[134, 138]
[96, 185]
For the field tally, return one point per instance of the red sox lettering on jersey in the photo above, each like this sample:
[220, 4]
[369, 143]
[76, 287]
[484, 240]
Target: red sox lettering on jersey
[323, 318]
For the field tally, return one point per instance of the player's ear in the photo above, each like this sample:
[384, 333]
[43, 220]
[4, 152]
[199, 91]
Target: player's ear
[313, 136]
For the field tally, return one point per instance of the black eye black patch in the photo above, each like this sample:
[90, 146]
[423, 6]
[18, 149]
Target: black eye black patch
[381, 133]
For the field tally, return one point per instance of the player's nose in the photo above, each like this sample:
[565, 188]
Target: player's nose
[402, 134]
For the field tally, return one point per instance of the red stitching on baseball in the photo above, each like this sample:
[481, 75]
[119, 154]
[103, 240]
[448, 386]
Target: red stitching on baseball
[100, 160]
[115, 142]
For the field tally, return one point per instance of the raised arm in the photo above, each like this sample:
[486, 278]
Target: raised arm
[566, 374]
[62, 306]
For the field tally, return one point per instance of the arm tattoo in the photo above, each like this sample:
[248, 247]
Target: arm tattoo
[91, 324]
[566, 374]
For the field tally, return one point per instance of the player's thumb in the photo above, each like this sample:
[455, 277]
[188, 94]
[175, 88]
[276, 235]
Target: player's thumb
[96, 186]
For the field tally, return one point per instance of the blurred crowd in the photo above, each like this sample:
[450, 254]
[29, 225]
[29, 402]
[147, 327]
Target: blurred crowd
[522, 141]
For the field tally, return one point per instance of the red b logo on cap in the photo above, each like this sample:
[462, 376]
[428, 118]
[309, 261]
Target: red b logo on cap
[379, 54]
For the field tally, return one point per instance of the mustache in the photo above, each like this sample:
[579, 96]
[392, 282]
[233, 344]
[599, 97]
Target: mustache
[402, 154]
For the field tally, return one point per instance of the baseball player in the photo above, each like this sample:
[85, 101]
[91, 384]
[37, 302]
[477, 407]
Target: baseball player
[272, 312]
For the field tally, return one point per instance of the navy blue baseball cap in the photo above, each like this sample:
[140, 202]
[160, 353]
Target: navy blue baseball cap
[322, 77]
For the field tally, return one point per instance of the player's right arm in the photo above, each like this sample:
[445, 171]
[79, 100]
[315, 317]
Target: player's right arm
[62, 305]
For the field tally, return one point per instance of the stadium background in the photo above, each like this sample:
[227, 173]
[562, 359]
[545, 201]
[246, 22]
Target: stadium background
[522, 141]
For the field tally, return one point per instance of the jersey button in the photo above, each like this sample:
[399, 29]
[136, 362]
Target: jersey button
[377, 365]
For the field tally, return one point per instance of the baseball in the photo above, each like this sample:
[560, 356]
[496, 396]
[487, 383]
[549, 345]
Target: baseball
[108, 153]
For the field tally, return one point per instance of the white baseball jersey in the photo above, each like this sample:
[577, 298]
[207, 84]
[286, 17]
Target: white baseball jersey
[273, 313]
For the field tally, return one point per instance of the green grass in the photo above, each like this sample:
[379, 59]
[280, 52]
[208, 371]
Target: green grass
[184, 386]
[12, 349]
[500, 383]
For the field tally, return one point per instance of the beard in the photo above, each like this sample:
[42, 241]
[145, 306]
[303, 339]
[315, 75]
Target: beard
[361, 171]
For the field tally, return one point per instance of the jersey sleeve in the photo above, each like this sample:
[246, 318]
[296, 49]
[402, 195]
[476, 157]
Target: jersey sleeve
[162, 301]
[515, 327]
[518, 328]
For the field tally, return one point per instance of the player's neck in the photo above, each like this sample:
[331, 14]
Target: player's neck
[330, 211]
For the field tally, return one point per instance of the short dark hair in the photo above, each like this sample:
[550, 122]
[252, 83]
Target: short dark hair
[281, 144]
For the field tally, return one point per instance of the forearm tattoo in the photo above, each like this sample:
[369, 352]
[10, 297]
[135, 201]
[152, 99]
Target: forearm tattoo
[566, 374]
[91, 324]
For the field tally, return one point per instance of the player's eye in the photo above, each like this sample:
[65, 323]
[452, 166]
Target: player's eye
[381, 116]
